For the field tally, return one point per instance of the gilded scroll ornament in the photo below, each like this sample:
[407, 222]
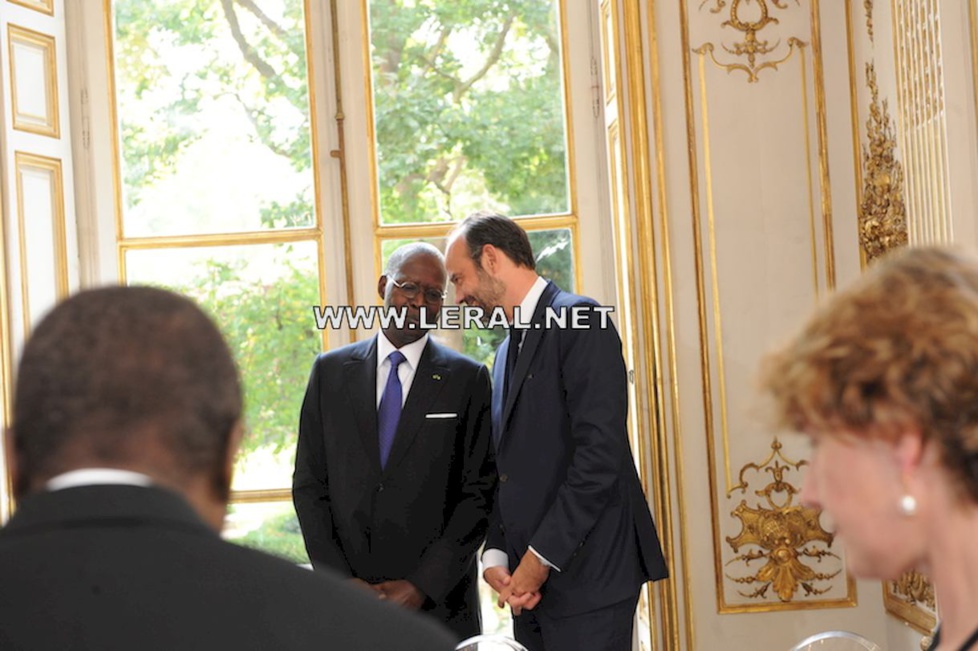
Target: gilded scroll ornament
[911, 598]
[868, 6]
[751, 47]
[882, 213]
[786, 536]
[915, 589]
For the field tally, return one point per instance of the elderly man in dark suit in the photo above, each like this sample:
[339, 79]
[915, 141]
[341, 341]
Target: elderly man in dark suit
[393, 473]
[571, 539]
[125, 426]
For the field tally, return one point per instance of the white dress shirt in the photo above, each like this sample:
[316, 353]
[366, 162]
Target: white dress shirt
[97, 477]
[405, 372]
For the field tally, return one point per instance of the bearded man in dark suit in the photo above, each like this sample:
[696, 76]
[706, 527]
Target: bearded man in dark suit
[394, 475]
[125, 426]
[571, 540]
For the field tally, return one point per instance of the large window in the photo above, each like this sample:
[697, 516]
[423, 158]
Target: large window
[470, 113]
[216, 180]
[269, 156]
[468, 109]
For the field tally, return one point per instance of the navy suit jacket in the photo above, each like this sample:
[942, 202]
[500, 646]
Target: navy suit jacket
[424, 515]
[126, 567]
[567, 480]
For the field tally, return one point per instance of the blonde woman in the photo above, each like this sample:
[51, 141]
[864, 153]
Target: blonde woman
[883, 379]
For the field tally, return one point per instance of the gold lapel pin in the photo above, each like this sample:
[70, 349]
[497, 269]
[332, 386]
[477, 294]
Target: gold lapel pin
[436, 377]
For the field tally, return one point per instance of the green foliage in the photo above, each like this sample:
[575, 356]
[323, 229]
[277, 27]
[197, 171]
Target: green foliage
[468, 114]
[554, 256]
[270, 330]
[468, 102]
[468, 108]
[279, 535]
[177, 58]
[481, 344]
[296, 213]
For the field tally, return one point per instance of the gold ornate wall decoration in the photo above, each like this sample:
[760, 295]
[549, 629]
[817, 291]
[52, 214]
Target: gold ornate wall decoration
[868, 6]
[44, 6]
[787, 536]
[882, 213]
[751, 47]
[922, 123]
[915, 589]
[911, 598]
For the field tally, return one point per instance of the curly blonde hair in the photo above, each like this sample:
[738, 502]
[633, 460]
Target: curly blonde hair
[898, 348]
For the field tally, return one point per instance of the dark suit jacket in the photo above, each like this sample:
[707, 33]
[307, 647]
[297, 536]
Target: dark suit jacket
[125, 567]
[567, 481]
[424, 516]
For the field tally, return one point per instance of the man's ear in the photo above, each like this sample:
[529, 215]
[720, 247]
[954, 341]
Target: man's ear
[490, 257]
[382, 286]
[234, 444]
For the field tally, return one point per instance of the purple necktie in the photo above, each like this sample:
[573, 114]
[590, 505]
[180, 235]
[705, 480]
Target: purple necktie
[389, 412]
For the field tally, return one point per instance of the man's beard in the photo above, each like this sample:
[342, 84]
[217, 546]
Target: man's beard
[489, 295]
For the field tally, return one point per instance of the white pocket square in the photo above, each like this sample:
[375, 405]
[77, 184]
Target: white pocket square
[453, 415]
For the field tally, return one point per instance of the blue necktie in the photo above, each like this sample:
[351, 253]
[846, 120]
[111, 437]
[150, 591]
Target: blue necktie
[389, 412]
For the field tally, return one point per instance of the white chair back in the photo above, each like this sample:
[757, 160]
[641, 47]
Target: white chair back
[836, 641]
[490, 643]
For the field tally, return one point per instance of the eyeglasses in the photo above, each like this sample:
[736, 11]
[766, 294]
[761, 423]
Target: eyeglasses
[410, 290]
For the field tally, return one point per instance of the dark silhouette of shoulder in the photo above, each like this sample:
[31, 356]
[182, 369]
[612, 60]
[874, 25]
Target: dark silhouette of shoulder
[124, 567]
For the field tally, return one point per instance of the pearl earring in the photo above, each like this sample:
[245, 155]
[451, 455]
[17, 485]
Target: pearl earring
[908, 505]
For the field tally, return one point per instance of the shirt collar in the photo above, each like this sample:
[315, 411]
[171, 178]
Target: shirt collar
[412, 351]
[97, 476]
[529, 303]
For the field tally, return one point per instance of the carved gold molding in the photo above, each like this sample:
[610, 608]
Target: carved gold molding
[919, 71]
[868, 6]
[43, 6]
[915, 589]
[787, 537]
[911, 598]
[30, 213]
[751, 47]
[882, 213]
[27, 47]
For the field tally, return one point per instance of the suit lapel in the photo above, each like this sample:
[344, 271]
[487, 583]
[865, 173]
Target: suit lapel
[361, 390]
[531, 341]
[498, 380]
[429, 378]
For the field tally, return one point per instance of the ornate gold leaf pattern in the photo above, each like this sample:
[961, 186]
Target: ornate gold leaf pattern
[882, 213]
[914, 588]
[783, 534]
[751, 47]
[868, 5]
[911, 598]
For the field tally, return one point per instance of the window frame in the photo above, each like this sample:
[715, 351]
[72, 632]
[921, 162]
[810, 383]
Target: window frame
[343, 160]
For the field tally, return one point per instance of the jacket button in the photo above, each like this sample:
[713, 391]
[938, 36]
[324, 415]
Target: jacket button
[380, 488]
[503, 477]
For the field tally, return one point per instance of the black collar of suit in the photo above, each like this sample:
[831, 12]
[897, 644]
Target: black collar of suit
[104, 505]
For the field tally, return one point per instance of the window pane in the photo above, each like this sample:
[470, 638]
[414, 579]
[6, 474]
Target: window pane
[555, 261]
[261, 296]
[271, 527]
[213, 115]
[468, 108]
